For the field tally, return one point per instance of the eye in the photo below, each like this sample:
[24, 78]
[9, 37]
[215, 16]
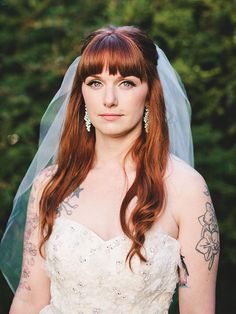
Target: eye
[94, 84]
[128, 84]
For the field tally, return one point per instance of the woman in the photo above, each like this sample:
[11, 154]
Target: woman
[117, 220]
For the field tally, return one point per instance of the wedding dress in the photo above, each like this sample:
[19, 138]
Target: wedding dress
[89, 275]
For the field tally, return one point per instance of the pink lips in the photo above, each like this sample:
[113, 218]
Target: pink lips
[110, 116]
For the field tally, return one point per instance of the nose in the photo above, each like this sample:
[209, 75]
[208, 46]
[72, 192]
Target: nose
[110, 97]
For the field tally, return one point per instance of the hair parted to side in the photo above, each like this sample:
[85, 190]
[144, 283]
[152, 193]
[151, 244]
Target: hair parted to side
[129, 51]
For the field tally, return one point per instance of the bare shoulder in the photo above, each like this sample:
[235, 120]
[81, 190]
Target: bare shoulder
[181, 179]
[38, 186]
[44, 176]
[179, 172]
[184, 186]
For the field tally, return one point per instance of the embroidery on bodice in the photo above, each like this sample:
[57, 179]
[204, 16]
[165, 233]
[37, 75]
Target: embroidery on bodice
[89, 275]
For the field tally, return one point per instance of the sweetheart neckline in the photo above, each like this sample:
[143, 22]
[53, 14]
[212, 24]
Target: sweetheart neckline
[116, 238]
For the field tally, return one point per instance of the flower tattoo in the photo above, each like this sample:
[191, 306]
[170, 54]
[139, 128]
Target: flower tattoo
[209, 244]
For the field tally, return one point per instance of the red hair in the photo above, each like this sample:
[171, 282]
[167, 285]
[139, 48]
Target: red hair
[129, 51]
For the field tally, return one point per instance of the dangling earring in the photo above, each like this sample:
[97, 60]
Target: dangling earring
[146, 119]
[87, 120]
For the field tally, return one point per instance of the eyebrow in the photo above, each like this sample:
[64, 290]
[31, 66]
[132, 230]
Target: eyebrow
[118, 78]
[98, 76]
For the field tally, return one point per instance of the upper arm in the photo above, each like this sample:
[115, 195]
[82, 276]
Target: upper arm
[34, 287]
[199, 239]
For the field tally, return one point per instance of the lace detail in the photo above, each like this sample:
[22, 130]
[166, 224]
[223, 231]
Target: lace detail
[89, 275]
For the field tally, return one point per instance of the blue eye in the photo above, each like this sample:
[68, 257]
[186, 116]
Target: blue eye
[95, 84]
[128, 83]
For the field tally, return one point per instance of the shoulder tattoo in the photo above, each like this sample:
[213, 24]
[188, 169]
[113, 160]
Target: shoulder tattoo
[209, 244]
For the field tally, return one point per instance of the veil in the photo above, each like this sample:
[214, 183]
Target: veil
[178, 115]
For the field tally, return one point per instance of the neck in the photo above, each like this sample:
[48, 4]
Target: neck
[110, 151]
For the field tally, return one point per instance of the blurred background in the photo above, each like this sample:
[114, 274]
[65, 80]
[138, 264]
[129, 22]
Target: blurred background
[38, 41]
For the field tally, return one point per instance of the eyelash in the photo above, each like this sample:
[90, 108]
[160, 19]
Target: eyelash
[127, 81]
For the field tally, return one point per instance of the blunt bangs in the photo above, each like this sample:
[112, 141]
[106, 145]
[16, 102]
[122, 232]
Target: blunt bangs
[115, 53]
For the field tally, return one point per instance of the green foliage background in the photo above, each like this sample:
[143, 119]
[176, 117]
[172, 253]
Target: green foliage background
[39, 39]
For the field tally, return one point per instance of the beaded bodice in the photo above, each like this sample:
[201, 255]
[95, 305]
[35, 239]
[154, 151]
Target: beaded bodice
[89, 275]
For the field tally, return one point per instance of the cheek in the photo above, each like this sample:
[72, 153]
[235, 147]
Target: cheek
[140, 95]
[136, 103]
[89, 97]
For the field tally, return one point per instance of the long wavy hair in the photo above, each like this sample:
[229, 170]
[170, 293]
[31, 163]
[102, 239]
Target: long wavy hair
[129, 51]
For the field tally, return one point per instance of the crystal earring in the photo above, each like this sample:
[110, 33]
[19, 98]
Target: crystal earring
[87, 120]
[146, 119]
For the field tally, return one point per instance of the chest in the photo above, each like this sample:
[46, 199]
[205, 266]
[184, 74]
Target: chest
[96, 205]
[97, 201]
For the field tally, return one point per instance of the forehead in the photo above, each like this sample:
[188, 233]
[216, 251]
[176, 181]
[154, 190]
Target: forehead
[124, 60]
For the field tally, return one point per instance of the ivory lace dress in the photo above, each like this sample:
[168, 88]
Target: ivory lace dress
[89, 275]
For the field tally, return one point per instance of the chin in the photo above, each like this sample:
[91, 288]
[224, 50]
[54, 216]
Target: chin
[117, 132]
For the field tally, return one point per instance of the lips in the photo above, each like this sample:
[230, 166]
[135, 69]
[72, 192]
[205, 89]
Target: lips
[110, 116]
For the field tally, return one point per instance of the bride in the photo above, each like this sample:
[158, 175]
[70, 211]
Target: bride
[117, 216]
